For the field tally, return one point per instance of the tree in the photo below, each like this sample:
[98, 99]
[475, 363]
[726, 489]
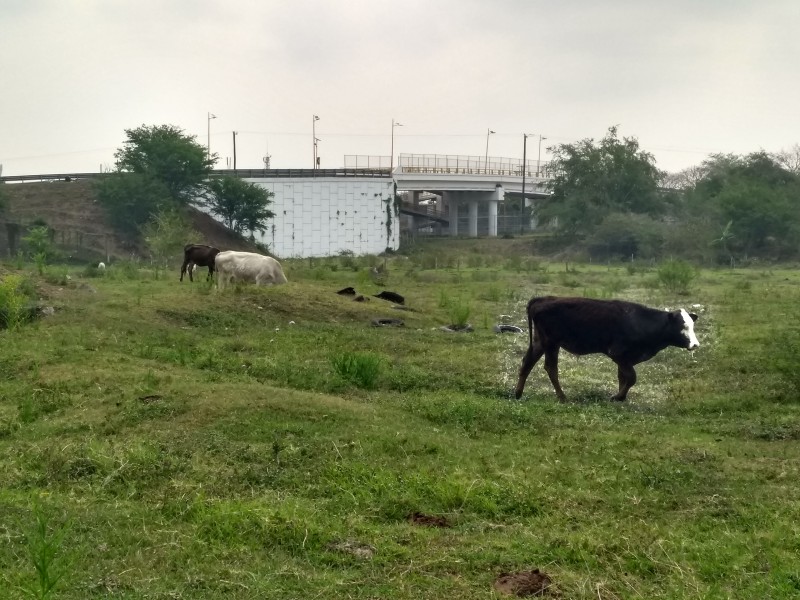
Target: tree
[131, 200]
[166, 233]
[167, 154]
[593, 180]
[789, 159]
[756, 196]
[241, 205]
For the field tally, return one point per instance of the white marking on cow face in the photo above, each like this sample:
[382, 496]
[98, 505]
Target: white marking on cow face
[688, 330]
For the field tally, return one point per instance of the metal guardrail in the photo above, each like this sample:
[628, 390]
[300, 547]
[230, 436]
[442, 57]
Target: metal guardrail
[244, 173]
[447, 164]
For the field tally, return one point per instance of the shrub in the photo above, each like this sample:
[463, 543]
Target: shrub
[676, 275]
[13, 302]
[359, 368]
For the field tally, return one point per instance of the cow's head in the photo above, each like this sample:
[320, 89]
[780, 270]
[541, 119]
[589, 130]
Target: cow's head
[684, 323]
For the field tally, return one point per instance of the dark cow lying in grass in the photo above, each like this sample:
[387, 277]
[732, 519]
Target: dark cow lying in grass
[626, 332]
[200, 255]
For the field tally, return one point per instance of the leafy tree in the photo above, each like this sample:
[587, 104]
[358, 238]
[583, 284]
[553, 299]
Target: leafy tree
[241, 205]
[40, 243]
[758, 198]
[165, 153]
[593, 180]
[131, 200]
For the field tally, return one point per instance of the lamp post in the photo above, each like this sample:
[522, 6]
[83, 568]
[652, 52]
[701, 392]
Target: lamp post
[208, 132]
[391, 160]
[486, 158]
[524, 171]
[314, 138]
[539, 160]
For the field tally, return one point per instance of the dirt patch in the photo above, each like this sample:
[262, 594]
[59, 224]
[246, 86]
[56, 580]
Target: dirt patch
[524, 583]
[423, 520]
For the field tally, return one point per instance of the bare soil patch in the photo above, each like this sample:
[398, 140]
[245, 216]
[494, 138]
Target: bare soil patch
[423, 520]
[524, 583]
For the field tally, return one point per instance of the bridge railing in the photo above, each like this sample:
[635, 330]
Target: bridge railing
[448, 164]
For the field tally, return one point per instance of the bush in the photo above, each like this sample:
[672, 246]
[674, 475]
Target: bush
[459, 312]
[676, 275]
[13, 302]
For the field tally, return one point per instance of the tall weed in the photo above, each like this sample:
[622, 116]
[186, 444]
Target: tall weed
[359, 368]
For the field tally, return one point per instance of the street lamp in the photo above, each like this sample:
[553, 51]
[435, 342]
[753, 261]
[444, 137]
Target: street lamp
[486, 158]
[539, 160]
[391, 160]
[314, 138]
[524, 171]
[208, 145]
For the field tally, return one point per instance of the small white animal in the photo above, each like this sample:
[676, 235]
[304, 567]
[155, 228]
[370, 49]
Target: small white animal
[101, 266]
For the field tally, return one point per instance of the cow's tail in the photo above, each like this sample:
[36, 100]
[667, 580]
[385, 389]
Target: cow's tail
[531, 307]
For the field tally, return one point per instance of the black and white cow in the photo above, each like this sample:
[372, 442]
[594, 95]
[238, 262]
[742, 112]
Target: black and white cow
[626, 332]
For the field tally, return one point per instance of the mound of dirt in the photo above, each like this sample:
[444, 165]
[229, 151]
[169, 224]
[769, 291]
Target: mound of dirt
[524, 583]
[80, 226]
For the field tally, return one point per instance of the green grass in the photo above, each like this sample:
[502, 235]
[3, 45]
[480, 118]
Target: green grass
[162, 440]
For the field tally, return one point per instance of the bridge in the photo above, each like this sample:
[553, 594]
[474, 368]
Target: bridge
[478, 183]
[453, 191]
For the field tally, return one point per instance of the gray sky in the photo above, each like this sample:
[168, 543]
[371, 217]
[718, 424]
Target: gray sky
[687, 78]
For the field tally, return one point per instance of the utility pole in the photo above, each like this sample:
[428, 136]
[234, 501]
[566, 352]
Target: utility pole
[234, 150]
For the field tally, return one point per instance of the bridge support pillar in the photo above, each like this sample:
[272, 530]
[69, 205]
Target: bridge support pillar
[473, 218]
[452, 203]
[493, 218]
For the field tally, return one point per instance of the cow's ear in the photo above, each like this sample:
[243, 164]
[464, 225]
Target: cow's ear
[694, 316]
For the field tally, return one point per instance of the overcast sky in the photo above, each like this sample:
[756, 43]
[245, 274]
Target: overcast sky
[685, 77]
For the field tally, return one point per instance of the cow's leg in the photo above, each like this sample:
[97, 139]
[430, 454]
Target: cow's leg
[627, 377]
[551, 366]
[183, 269]
[210, 275]
[190, 268]
[532, 356]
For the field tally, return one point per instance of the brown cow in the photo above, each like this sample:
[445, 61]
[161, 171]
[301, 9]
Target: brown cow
[200, 255]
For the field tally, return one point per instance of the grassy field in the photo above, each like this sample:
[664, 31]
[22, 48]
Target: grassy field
[163, 440]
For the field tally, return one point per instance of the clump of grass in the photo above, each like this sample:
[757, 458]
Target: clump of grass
[459, 312]
[676, 276]
[359, 368]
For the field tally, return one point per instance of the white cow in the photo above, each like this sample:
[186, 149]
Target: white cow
[247, 266]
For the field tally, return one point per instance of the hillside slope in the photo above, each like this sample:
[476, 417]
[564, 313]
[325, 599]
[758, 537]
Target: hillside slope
[80, 223]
